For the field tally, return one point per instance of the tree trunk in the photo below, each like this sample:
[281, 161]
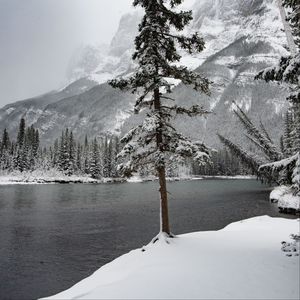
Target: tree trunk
[161, 170]
[165, 227]
[287, 28]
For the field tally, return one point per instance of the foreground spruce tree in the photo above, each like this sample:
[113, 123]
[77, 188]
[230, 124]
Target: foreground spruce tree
[156, 142]
[287, 73]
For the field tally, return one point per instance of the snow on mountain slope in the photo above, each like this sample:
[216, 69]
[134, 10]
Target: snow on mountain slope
[220, 22]
[242, 37]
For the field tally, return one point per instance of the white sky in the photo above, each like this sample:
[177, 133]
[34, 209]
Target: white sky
[38, 37]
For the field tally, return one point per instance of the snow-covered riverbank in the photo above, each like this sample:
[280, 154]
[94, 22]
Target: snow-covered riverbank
[244, 260]
[54, 176]
[286, 200]
[50, 177]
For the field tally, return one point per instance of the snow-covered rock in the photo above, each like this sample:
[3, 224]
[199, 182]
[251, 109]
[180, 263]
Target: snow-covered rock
[242, 261]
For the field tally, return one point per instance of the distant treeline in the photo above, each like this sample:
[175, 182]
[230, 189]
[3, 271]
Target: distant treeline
[223, 163]
[96, 158]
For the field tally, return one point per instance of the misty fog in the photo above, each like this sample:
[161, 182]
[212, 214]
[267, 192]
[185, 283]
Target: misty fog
[38, 38]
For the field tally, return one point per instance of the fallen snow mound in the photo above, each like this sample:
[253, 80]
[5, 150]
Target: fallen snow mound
[283, 195]
[244, 260]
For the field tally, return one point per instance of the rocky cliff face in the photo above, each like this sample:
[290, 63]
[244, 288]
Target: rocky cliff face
[242, 37]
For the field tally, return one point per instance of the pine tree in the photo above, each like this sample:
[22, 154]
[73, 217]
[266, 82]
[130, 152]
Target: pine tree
[30, 146]
[293, 7]
[288, 72]
[296, 176]
[281, 143]
[114, 160]
[56, 154]
[12, 151]
[287, 28]
[21, 133]
[78, 157]
[287, 135]
[295, 134]
[265, 132]
[156, 139]
[36, 142]
[71, 155]
[22, 151]
[25, 158]
[4, 150]
[95, 167]
[5, 140]
[64, 151]
[260, 138]
[61, 160]
[107, 157]
[250, 160]
[286, 168]
[86, 156]
[288, 69]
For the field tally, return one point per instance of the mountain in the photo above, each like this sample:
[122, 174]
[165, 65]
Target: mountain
[242, 37]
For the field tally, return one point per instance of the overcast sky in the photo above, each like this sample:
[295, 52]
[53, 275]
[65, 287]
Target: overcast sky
[38, 37]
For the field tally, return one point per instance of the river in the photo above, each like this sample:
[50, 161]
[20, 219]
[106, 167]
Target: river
[52, 236]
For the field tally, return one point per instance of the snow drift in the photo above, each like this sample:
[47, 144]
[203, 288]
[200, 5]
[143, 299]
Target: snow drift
[244, 260]
[283, 195]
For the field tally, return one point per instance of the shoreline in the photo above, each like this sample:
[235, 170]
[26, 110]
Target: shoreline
[32, 180]
[197, 256]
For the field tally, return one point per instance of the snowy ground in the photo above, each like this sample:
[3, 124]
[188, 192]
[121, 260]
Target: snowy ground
[285, 198]
[54, 176]
[242, 261]
[39, 177]
[231, 177]
[51, 176]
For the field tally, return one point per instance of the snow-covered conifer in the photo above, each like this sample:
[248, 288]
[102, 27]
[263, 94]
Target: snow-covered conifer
[86, 157]
[64, 151]
[95, 166]
[285, 166]
[114, 159]
[287, 135]
[295, 134]
[36, 142]
[260, 138]
[107, 157]
[21, 154]
[296, 176]
[5, 140]
[293, 7]
[21, 133]
[4, 150]
[156, 139]
[55, 154]
[281, 143]
[79, 157]
[252, 161]
[287, 71]
[71, 155]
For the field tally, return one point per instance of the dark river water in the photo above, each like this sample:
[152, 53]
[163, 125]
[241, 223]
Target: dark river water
[52, 236]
